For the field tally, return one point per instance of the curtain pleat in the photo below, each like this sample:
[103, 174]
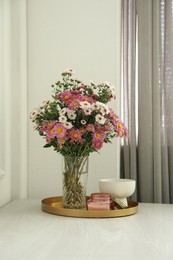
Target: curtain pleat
[147, 97]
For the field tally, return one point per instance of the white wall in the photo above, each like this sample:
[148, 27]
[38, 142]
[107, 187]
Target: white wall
[83, 35]
[13, 98]
[5, 71]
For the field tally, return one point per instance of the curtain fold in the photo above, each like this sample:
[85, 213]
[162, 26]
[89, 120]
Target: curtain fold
[147, 98]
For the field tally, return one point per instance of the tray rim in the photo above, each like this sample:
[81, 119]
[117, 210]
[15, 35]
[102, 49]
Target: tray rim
[47, 206]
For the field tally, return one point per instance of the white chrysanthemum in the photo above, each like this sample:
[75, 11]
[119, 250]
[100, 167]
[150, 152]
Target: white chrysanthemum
[83, 122]
[104, 109]
[44, 104]
[68, 125]
[35, 127]
[58, 108]
[85, 104]
[34, 113]
[71, 115]
[62, 119]
[95, 106]
[100, 119]
[63, 111]
[107, 84]
[113, 93]
[99, 104]
[69, 71]
[87, 111]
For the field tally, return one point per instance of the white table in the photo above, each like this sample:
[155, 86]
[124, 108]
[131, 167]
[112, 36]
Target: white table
[27, 233]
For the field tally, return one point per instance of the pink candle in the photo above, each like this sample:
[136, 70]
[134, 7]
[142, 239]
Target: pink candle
[98, 205]
[105, 197]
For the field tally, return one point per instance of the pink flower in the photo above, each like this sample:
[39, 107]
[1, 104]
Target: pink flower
[99, 135]
[94, 96]
[82, 140]
[88, 99]
[113, 115]
[120, 129]
[99, 128]
[74, 104]
[60, 130]
[48, 140]
[82, 130]
[90, 127]
[66, 96]
[43, 127]
[61, 141]
[57, 96]
[97, 144]
[75, 135]
[50, 133]
[51, 124]
[107, 127]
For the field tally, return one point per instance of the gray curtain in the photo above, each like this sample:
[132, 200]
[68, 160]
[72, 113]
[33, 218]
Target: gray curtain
[147, 98]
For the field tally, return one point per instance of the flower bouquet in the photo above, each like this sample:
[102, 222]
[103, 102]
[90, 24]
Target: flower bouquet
[77, 122]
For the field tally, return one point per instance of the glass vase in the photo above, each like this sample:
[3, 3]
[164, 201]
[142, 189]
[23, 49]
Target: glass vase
[75, 173]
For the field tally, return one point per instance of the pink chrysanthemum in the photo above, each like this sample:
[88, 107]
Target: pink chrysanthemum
[107, 127]
[50, 133]
[43, 127]
[74, 104]
[51, 124]
[61, 141]
[97, 144]
[113, 115]
[120, 129]
[82, 130]
[90, 127]
[60, 130]
[99, 128]
[82, 140]
[66, 96]
[75, 135]
[88, 99]
[48, 140]
[99, 135]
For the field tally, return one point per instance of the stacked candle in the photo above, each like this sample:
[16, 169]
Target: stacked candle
[100, 201]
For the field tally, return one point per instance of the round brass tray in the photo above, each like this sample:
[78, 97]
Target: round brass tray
[53, 205]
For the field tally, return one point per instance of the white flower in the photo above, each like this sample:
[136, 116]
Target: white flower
[69, 71]
[113, 93]
[63, 111]
[87, 111]
[100, 119]
[99, 104]
[104, 109]
[85, 104]
[95, 106]
[36, 127]
[68, 125]
[44, 104]
[111, 88]
[58, 108]
[108, 84]
[92, 82]
[62, 119]
[83, 122]
[34, 113]
[71, 114]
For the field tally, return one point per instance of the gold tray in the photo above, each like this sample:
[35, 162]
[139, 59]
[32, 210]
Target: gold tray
[53, 205]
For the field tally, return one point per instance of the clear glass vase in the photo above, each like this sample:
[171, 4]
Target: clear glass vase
[75, 174]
